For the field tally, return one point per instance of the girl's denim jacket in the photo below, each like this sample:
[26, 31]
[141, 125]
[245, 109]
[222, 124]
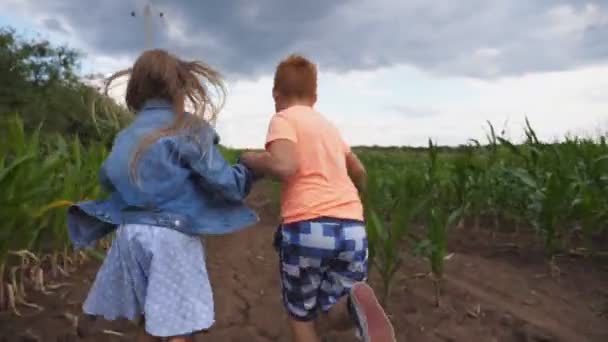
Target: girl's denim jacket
[182, 183]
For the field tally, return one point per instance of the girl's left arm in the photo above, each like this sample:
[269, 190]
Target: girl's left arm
[231, 182]
[103, 178]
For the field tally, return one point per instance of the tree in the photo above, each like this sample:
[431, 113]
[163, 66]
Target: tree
[39, 82]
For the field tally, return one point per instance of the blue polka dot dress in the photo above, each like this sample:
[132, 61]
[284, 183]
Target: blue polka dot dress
[156, 272]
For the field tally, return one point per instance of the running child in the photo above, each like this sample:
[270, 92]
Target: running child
[168, 184]
[322, 242]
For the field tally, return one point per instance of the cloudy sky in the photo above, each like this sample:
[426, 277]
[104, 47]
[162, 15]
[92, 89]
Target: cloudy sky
[392, 72]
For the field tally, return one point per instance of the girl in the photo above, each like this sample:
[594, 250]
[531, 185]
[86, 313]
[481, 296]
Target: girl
[168, 184]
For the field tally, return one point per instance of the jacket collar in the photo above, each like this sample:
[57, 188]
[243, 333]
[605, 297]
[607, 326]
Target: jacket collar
[156, 103]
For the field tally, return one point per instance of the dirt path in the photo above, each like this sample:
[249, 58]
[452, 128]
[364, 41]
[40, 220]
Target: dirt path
[490, 294]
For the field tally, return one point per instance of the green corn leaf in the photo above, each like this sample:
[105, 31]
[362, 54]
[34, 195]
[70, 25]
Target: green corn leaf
[422, 247]
[7, 173]
[454, 217]
[524, 177]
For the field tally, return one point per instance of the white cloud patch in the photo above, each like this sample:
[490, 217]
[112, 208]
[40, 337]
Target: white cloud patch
[369, 111]
[405, 106]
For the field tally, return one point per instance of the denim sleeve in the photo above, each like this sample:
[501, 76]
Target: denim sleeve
[104, 181]
[84, 227]
[231, 182]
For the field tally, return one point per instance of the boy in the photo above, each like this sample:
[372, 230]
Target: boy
[322, 241]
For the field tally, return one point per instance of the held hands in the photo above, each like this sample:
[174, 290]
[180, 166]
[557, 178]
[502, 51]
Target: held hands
[250, 160]
[278, 162]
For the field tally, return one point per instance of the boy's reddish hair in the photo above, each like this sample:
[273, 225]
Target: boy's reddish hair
[296, 77]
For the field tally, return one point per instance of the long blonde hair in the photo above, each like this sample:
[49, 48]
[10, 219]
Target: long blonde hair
[157, 74]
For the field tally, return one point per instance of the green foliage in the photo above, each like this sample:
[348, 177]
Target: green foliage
[440, 214]
[38, 179]
[389, 226]
[39, 81]
[230, 155]
[557, 189]
[50, 152]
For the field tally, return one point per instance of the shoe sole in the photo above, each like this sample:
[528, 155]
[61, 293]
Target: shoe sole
[376, 325]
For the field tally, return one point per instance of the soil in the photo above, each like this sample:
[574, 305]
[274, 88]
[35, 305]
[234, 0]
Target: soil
[493, 291]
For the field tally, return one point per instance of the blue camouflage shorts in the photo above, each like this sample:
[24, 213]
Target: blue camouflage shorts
[320, 260]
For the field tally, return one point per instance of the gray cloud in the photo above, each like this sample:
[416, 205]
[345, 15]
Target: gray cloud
[54, 25]
[245, 38]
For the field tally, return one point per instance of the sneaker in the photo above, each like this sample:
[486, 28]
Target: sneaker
[372, 323]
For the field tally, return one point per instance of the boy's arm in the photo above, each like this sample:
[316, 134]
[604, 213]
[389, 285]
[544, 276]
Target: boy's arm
[356, 171]
[278, 161]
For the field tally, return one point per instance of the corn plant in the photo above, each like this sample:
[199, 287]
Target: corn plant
[548, 190]
[37, 180]
[387, 232]
[479, 173]
[464, 179]
[439, 218]
[24, 182]
[79, 179]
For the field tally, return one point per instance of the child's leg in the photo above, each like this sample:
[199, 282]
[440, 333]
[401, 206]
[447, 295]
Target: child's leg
[345, 296]
[338, 317]
[360, 309]
[303, 331]
[301, 315]
[348, 267]
[301, 273]
[299, 299]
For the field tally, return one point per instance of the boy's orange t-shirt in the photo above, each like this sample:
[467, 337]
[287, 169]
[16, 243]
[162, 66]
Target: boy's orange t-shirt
[321, 186]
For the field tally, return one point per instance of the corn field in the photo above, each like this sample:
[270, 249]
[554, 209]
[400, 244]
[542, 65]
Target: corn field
[414, 199]
[39, 178]
[556, 189]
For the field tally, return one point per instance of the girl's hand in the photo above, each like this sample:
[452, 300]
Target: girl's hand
[248, 158]
[245, 159]
[278, 162]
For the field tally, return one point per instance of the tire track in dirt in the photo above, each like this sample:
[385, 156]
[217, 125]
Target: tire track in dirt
[559, 320]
